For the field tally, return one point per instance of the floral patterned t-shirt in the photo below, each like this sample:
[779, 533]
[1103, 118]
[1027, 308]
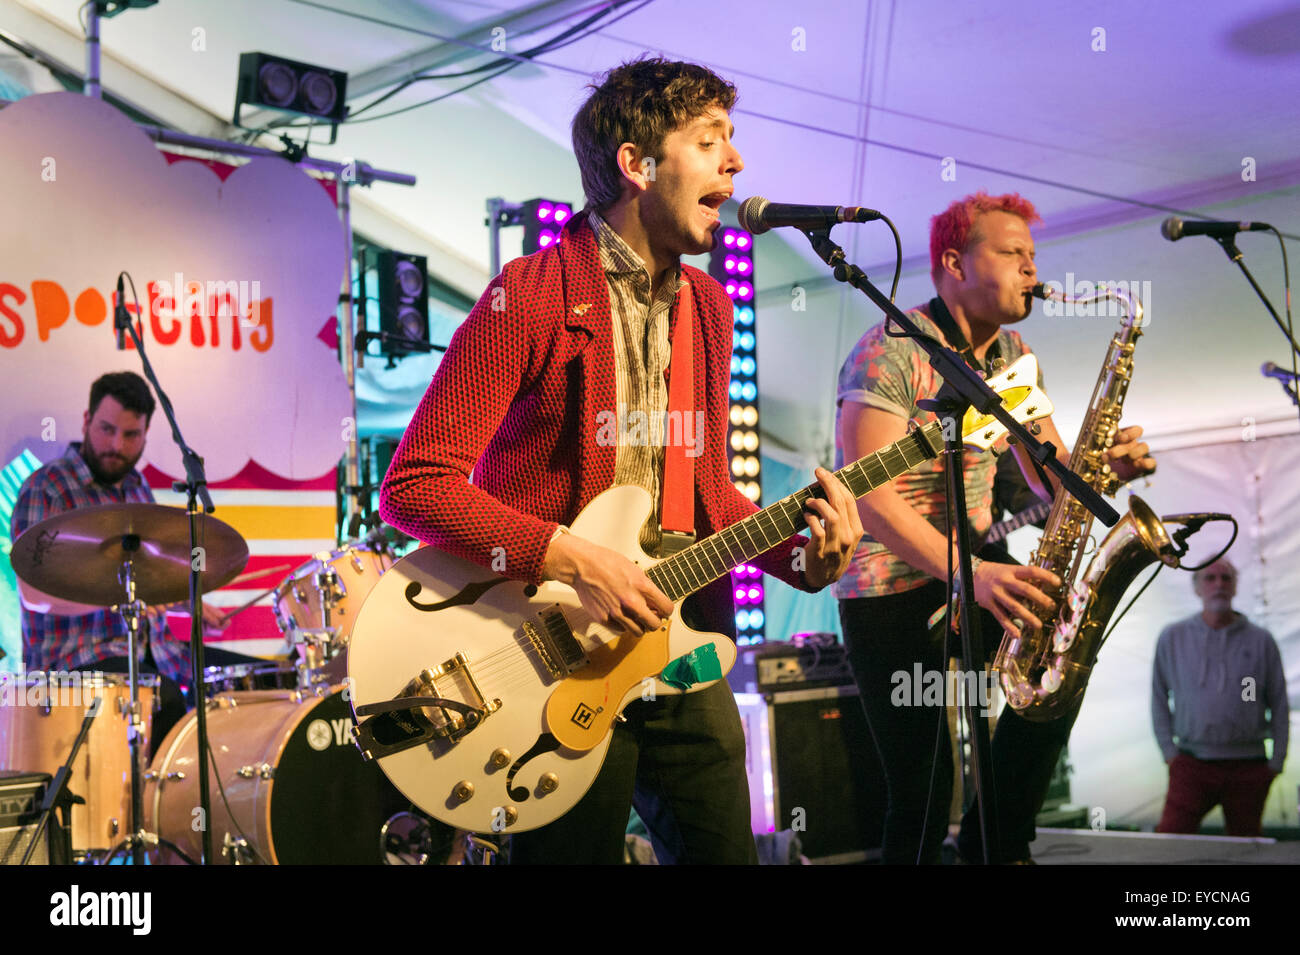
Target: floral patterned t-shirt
[893, 374]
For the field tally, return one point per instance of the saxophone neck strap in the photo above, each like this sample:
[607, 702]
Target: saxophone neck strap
[941, 317]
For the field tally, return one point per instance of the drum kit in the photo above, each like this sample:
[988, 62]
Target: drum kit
[290, 787]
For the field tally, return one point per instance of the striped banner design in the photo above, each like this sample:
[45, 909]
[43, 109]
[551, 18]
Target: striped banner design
[284, 522]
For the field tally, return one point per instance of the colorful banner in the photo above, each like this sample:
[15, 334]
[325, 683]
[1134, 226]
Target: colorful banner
[237, 269]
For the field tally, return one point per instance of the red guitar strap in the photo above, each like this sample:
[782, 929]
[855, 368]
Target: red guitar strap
[678, 511]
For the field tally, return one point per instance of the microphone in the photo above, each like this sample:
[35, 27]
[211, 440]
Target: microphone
[117, 315]
[1175, 228]
[757, 215]
[1271, 370]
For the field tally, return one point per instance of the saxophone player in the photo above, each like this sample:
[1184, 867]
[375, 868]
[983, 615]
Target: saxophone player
[982, 264]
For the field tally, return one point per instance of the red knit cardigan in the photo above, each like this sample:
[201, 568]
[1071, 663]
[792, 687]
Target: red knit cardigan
[515, 401]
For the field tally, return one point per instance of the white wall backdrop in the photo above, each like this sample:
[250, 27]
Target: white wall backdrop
[1117, 765]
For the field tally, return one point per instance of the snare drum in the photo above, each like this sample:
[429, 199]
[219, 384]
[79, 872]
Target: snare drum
[39, 721]
[342, 578]
[296, 788]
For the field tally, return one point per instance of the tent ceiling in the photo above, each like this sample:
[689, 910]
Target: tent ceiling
[881, 92]
[1174, 102]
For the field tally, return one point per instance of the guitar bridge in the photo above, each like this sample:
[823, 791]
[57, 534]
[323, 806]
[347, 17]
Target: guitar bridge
[424, 711]
[559, 649]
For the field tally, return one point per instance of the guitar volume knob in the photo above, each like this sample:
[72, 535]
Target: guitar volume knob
[463, 790]
[500, 758]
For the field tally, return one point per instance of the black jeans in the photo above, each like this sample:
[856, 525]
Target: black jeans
[888, 635]
[681, 761]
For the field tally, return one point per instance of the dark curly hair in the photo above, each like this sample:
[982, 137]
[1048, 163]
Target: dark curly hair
[640, 102]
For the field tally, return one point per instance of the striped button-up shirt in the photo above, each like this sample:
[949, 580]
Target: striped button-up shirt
[55, 642]
[641, 356]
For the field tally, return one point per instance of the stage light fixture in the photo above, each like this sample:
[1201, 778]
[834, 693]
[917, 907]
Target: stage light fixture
[402, 283]
[543, 220]
[278, 83]
[732, 264]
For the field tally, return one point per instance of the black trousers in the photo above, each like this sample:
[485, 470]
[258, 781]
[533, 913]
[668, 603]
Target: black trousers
[681, 761]
[888, 635]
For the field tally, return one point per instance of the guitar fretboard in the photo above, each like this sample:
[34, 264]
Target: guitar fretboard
[705, 561]
[1035, 512]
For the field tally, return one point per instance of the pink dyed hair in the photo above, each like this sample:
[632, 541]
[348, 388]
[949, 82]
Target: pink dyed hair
[953, 228]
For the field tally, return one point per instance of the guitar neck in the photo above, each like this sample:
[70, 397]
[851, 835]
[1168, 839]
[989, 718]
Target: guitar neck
[705, 561]
[1035, 512]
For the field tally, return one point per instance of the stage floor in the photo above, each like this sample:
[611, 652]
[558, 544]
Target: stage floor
[1086, 847]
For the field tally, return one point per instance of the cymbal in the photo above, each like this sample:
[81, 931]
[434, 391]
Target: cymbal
[76, 555]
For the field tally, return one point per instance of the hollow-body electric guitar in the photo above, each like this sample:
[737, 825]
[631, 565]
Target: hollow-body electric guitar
[489, 702]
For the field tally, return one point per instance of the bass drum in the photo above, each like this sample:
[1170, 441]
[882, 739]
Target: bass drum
[296, 790]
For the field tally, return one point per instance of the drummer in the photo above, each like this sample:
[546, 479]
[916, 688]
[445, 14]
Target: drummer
[100, 469]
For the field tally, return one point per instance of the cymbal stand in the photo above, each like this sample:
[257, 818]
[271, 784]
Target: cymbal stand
[131, 610]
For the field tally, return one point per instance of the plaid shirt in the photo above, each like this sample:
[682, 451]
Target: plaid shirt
[73, 643]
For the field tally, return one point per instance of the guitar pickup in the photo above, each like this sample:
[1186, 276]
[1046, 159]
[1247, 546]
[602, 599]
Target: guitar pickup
[422, 714]
[559, 649]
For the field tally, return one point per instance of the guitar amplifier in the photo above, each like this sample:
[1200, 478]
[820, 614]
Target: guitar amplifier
[21, 795]
[814, 770]
[807, 660]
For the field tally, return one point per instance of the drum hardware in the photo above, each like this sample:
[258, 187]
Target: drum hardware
[131, 612]
[316, 606]
[152, 776]
[294, 790]
[236, 850]
[37, 734]
[411, 838]
[146, 551]
[479, 850]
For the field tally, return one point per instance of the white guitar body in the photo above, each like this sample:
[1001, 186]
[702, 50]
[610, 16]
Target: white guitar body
[523, 687]
[469, 783]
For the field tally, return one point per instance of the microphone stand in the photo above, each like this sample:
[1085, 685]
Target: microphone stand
[57, 794]
[1288, 387]
[365, 337]
[1233, 253]
[195, 486]
[964, 388]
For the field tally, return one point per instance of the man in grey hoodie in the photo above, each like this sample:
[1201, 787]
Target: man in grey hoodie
[1223, 672]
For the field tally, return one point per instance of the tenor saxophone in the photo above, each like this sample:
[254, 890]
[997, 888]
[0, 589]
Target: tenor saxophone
[1044, 672]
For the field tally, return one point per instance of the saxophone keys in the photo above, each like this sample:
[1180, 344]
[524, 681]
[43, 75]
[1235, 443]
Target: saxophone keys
[1052, 680]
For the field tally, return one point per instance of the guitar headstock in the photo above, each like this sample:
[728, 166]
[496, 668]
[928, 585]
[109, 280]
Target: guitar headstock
[1017, 386]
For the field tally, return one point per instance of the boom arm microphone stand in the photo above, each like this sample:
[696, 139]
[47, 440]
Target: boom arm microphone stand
[1229, 245]
[195, 487]
[963, 388]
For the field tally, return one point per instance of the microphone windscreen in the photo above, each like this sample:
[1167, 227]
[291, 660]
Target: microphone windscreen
[1172, 228]
[751, 215]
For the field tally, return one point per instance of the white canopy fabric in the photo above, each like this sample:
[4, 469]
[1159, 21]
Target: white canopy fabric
[1108, 115]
